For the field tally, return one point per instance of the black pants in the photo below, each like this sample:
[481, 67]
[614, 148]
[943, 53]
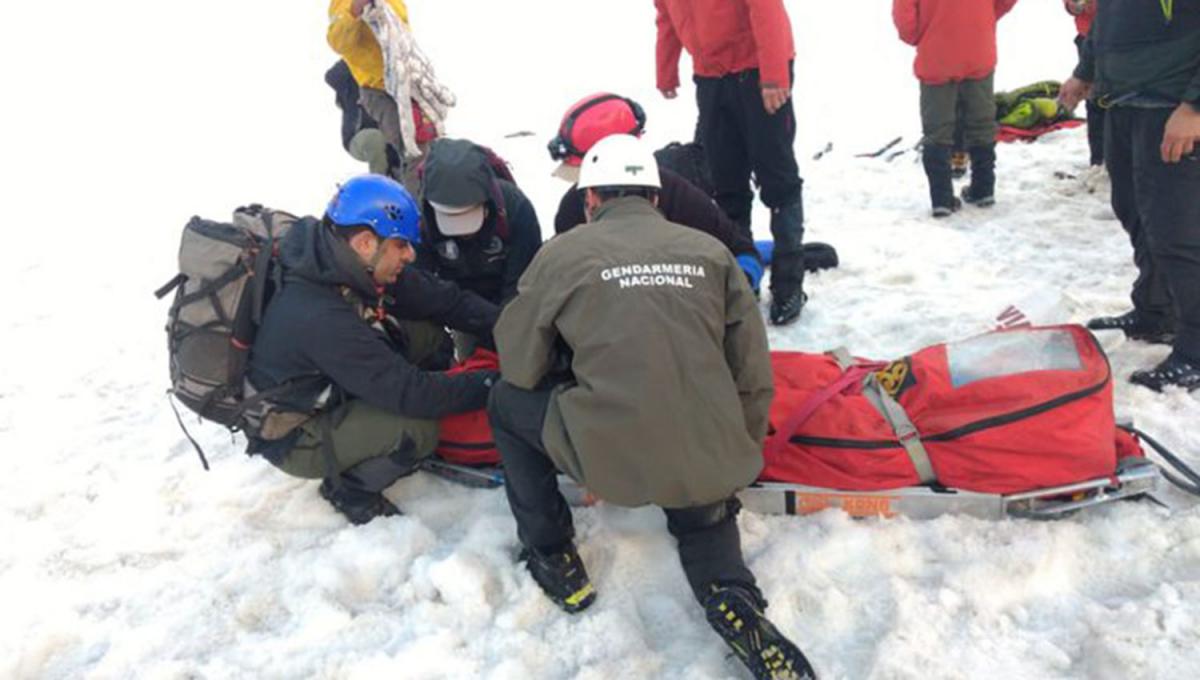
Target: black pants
[740, 138]
[1159, 208]
[709, 543]
[1095, 122]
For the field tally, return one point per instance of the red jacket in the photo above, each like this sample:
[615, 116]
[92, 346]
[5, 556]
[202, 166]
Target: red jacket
[1083, 20]
[723, 37]
[955, 39]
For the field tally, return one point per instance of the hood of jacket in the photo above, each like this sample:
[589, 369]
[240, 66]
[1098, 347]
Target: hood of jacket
[457, 172]
[313, 252]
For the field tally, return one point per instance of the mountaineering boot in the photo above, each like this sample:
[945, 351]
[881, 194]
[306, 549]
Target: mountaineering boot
[981, 191]
[735, 613]
[936, 160]
[1136, 327]
[357, 505]
[940, 211]
[1174, 371]
[787, 263]
[785, 310]
[959, 164]
[561, 575]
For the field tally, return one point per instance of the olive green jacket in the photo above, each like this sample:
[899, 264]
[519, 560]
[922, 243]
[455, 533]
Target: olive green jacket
[671, 376]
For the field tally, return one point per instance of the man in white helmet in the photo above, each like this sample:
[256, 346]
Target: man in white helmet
[635, 360]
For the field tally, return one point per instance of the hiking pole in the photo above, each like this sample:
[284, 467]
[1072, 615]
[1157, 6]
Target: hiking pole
[886, 147]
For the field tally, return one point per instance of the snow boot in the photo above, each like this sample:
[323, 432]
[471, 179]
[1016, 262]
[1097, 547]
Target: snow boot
[561, 575]
[941, 211]
[936, 160]
[786, 309]
[735, 612]
[981, 192]
[1136, 327]
[787, 263]
[959, 164]
[357, 505]
[1174, 371]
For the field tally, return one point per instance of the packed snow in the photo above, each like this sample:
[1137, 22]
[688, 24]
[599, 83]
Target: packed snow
[120, 557]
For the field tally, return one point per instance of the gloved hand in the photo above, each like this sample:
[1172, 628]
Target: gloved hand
[753, 269]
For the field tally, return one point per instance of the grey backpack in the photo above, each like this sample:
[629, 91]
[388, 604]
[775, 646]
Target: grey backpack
[227, 273]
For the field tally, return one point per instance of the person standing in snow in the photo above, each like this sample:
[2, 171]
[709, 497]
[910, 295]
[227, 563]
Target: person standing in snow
[407, 126]
[351, 330]
[742, 55]
[1084, 12]
[1141, 61]
[955, 63]
[635, 360]
[599, 115]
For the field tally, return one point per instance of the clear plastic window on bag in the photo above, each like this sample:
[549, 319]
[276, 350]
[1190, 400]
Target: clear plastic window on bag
[996, 355]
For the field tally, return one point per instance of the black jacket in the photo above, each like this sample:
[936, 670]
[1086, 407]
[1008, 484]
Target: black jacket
[311, 328]
[491, 261]
[680, 202]
[1133, 50]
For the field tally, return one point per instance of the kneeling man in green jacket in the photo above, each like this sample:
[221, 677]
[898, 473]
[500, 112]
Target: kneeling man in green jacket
[634, 360]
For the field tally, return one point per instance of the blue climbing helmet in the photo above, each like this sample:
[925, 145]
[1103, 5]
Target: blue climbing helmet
[378, 202]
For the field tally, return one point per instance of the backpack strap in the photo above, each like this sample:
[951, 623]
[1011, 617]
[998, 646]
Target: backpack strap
[262, 267]
[209, 289]
[169, 286]
[179, 419]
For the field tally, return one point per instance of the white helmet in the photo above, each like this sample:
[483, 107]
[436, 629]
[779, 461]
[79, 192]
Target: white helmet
[619, 161]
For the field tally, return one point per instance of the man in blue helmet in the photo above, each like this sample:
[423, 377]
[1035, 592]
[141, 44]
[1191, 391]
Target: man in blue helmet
[350, 329]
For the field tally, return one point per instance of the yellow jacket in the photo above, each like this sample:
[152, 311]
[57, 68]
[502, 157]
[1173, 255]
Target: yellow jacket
[353, 39]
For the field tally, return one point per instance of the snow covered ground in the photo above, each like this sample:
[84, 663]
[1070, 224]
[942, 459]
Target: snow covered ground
[120, 557]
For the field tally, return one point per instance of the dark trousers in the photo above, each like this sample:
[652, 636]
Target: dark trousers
[363, 445]
[1095, 126]
[1159, 208]
[710, 547]
[1095, 122]
[740, 138]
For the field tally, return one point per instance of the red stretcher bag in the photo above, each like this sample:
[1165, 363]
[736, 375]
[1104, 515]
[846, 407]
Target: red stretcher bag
[1003, 412]
[466, 438]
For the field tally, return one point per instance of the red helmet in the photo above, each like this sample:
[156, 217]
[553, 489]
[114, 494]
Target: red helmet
[591, 119]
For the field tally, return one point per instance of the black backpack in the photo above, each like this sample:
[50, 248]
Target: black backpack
[227, 273]
[687, 159]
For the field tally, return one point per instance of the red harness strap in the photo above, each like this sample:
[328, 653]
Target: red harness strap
[850, 382]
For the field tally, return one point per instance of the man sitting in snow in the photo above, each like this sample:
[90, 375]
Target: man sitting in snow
[361, 412]
[1142, 59]
[635, 360]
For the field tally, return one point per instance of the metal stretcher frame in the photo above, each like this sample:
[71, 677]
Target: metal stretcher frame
[1139, 478]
